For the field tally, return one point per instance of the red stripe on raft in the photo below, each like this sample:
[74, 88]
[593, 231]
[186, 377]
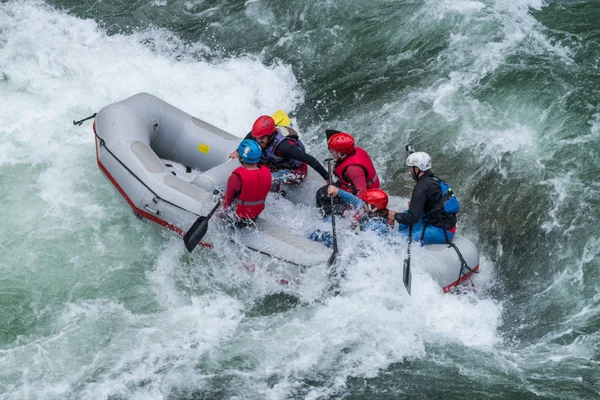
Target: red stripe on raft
[139, 211]
[463, 278]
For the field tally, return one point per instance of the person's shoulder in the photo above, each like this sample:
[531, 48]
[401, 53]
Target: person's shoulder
[429, 179]
[286, 142]
[355, 169]
[291, 131]
[236, 174]
[288, 132]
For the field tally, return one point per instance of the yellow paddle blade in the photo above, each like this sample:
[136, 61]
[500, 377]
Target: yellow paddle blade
[281, 118]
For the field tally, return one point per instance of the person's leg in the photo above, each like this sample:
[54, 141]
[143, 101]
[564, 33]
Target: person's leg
[299, 174]
[417, 230]
[279, 177]
[289, 176]
[322, 237]
[435, 235]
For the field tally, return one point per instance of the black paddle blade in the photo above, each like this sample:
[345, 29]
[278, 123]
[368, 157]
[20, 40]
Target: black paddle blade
[198, 230]
[332, 259]
[330, 132]
[195, 233]
[336, 274]
[407, 275]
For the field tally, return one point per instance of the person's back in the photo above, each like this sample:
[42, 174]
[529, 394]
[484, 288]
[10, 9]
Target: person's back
[356, 172]
[249, 184]
[426, 219]
[255, 186]
[435, 210]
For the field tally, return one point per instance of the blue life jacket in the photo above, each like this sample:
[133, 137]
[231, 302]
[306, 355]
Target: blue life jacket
[451, 205]
[444, 213]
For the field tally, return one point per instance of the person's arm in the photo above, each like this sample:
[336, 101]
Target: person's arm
[290, 150]
[351, 199]
[415, 209]
[234, 187]
[358, 177]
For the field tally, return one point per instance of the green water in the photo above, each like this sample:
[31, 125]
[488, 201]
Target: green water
[96, 304]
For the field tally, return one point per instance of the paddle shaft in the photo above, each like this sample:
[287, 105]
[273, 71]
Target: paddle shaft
[406, 275]
[333, 233]
[409, 244]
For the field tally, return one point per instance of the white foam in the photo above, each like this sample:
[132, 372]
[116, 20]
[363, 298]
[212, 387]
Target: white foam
[560, 191]
[372, 325]
[481, 37]
[62, 68]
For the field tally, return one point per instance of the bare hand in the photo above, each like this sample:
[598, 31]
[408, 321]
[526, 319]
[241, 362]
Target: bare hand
[332, 190]
[391, 214]
[234, 154]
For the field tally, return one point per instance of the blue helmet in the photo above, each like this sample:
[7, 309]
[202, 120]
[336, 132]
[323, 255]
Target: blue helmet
[249, 151]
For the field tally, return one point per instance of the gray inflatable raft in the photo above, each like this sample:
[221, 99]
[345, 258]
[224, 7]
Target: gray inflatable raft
[167, 164]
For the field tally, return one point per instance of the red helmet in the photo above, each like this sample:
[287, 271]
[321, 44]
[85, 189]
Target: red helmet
[377, 198]
[263, 126]
[341, 142]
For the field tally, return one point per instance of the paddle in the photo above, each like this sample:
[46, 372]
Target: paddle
[406, 274]
[281, 118]
[335, 247]
[198, 229]
[330, 132]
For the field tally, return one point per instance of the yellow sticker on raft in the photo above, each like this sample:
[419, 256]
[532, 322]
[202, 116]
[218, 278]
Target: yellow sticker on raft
[203, 148]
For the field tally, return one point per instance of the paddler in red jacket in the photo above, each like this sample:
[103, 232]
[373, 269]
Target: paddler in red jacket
[248, 185]
[354, 170]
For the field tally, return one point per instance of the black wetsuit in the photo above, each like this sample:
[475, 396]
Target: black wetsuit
[427, 198]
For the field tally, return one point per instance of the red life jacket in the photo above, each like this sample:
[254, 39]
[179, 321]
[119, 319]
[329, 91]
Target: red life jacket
[256, 184]
[362, 159]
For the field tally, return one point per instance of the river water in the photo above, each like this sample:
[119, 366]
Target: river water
[96, 304]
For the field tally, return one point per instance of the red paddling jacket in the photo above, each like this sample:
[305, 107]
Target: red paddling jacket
[359, 158]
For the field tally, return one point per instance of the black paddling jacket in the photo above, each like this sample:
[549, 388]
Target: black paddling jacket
[427, 201]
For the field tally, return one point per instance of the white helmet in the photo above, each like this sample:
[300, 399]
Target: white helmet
[420, 160]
